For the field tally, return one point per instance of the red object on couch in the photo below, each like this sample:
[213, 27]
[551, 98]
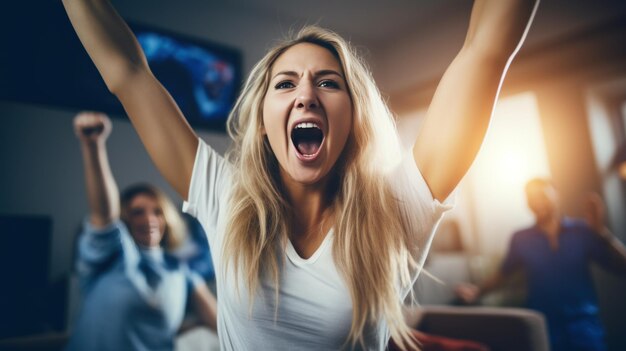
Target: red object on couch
[430, 342]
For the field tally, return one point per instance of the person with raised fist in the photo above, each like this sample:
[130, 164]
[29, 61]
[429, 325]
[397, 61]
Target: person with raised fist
[134, 290]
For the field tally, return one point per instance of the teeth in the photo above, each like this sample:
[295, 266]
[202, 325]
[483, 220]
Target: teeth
[307, 125]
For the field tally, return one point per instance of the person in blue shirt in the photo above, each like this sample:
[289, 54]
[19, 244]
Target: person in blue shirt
[135, 291]
[555, 254]
[196, 251]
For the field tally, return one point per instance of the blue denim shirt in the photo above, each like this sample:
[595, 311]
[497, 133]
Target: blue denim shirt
[121, 310]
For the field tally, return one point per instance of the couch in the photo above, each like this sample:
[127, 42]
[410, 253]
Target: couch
[499, 328]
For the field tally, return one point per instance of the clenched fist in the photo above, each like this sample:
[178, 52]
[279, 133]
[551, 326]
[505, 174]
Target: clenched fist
[92, 127]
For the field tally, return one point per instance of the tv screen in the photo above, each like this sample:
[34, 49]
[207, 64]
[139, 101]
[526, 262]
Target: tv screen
[43, 62]
[24, 261]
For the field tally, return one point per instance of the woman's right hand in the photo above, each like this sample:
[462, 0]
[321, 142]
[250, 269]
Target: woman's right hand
[92, 127]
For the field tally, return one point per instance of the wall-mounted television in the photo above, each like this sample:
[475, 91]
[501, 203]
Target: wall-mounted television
[43, 62]
[24, 267]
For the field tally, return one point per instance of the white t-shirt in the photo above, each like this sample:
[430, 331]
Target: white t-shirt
[314, 309]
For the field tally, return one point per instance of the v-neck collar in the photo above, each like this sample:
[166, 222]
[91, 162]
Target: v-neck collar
[296, 259]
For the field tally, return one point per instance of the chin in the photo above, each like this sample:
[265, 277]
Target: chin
[307, 176]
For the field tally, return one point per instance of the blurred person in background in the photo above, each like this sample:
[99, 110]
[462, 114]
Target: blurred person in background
[555, 254]
[135, 291]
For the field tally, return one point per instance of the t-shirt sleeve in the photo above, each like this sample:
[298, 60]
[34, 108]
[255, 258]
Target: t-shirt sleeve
[210, 181]
[419, 210]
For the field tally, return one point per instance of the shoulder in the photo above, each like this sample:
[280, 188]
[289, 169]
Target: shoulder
[210, 184]
[525, 235]
[207, 155]
[408, 185]
[111, 237]
[211, 170]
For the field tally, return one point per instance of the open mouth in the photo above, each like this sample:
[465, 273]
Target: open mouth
[307, 138]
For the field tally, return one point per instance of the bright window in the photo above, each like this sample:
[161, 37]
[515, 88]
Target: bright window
[513, 152]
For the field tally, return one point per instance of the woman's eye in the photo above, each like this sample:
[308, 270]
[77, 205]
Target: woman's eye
[284, 85]
[329, 84]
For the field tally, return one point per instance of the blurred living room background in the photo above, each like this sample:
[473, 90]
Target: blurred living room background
[561, 114]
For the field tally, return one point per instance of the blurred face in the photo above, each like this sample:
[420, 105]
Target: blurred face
[307, 113]
[543, 200]
[146, 221]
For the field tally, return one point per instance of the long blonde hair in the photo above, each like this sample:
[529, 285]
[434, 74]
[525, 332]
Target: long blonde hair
[371, 246]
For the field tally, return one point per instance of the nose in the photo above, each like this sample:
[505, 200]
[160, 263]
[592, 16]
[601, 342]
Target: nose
[306, 99]
[152, 219]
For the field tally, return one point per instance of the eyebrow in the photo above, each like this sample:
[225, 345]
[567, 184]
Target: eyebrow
[323, 72]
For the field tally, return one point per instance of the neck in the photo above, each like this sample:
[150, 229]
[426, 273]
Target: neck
[311, 205]
[550, 224]
[150, 248]
[310, 208]
[153, 252]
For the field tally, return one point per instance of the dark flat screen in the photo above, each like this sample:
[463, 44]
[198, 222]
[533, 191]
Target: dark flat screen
[42, 62]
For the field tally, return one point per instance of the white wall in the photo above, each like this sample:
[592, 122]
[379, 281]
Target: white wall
[513, 153]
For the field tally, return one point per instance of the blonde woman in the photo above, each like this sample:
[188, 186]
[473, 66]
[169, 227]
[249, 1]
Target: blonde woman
[319, 223]
[134, 290]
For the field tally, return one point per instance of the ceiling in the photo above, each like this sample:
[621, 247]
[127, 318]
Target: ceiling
[405, 41]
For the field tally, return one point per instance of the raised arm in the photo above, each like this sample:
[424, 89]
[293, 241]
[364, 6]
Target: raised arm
[159, 122]
[92, 130]
[463, 103]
